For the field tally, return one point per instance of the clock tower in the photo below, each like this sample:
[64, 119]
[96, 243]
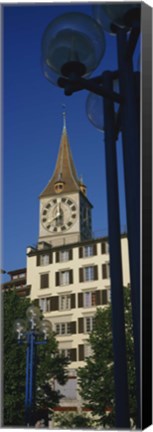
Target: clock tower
[65, 211]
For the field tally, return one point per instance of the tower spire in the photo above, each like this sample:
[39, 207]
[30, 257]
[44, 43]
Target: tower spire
[64, 116]
[65, 177]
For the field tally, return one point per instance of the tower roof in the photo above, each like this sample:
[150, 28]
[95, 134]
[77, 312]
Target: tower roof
[65, 172]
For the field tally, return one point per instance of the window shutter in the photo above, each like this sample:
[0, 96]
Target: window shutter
[71, 276]
[73, 327]
[80, 252]
[98, 298]
[50, 258]
[80, 300]
[57, 278]
[103, 247]
[73, 354]
[81, 329]
[54, 303]
[44, 281]
[81, 274]
[95, 272]
[38, 260]
[70, 254]
[104, 271]
[81, 352]
[57, 256]
[72, 301]
[104, 297]
[95, 249]
[108, 268]
[50, 305]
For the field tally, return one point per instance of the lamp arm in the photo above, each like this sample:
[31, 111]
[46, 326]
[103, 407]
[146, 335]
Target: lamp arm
[72, 85]
[92, 86]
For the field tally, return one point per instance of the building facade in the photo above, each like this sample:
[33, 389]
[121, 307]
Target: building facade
[68, 272]
[18, 281]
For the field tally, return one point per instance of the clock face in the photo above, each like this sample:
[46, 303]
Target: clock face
[59, 214]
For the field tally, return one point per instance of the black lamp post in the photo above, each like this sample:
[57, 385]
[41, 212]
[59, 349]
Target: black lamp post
[72, 47]
[101, 112]
[31, 332]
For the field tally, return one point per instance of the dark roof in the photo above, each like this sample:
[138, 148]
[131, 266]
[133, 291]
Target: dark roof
[35, 251]
[64, 170]
[18, 271]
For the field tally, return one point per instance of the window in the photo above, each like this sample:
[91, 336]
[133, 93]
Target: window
[45, 304]
[108, 294]
[104, 247]
[89, 299]
[21, 275]
[105, 271]
[44, 280]
[18, 287]
[68, 390]
[89, 324]
[44, 260]
[88, 273]
[88, 251]
[87, 350]
[65, 302]
[59, 187]
[64, 278]
[64, 256]
[63, 328]
[65, 352]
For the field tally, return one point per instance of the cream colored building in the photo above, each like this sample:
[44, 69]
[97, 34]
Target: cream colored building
[68, 271]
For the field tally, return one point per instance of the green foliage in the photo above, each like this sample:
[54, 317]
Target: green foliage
[49, 365]
[13, 360]
[96, 379]
[54, 367]
[72, 421]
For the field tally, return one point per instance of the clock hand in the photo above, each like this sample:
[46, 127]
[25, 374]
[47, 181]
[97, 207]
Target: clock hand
[58, 211]
[51, 220]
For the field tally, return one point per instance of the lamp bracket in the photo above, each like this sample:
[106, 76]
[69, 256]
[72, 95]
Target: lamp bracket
[95, 85]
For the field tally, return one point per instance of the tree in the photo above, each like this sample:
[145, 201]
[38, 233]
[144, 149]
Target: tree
[70, 420]
[96, 379]
[50, 365]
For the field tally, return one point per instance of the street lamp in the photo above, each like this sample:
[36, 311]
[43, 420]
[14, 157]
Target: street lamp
[108, 126]
[123, 21]
[31, 331]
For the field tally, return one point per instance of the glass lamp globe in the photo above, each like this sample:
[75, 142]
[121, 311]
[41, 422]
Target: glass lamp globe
[19, 328]
[33, 315]
[116, 14]
[95, 107]
[95, 112]
[46, 328]
[101, 17]
[72, 44]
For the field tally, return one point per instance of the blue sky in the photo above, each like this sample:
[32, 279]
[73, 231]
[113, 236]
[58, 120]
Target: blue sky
[32, 126]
